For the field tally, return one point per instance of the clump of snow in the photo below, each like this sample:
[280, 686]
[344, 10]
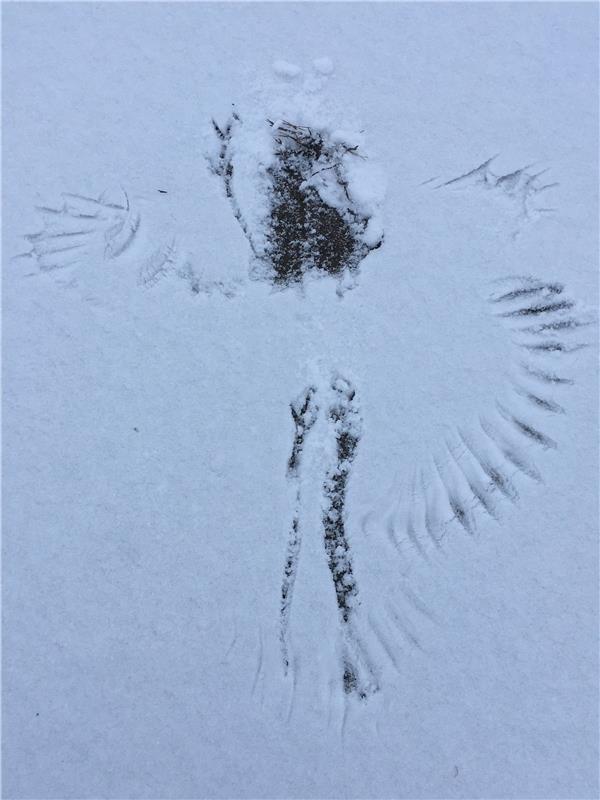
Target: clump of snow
[323, 65]
[373, 233]
[366, 184]
[348, 138]
[286, 70]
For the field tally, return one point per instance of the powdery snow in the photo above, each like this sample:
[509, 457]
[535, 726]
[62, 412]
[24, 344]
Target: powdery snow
[330, 537]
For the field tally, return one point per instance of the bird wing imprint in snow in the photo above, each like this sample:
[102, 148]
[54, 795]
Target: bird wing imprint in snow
[472, 473]
[523, 188]
[82, 228]
[315, 219]
[474, 469]
[140, 233]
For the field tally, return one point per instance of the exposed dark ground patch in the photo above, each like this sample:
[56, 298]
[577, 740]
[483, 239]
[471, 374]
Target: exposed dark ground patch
[303, 232]
[304, 413]
[345, 418]
[336, 543]
[344, 421]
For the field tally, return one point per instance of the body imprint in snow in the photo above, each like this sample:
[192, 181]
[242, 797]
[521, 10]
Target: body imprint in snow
[309, 201]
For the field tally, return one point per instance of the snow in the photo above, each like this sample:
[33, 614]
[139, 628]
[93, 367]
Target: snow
[444, 494]
[323, 65]
[286, 70]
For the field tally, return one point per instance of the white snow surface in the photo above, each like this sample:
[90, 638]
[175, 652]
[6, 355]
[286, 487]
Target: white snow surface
[149, 371]
[286, 70]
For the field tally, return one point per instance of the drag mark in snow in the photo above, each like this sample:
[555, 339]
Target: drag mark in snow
[344, 416]
[344, 422]
[347, 432]
[304, 413]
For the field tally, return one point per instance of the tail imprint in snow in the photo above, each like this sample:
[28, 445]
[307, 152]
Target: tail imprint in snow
[304, 414]
[344, 421]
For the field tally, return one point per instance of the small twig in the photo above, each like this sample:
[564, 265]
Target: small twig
[333, 166]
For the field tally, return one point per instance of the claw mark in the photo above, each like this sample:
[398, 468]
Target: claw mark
[223, 168]
[480, 170]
